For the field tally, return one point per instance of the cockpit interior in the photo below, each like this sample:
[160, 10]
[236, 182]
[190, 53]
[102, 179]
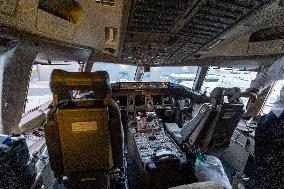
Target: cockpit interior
[141, 94]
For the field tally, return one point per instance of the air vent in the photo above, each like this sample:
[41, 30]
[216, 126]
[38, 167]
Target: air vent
[106, 2]
[267, 41]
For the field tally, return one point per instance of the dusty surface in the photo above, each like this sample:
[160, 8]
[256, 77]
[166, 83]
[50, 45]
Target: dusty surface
[200, 185]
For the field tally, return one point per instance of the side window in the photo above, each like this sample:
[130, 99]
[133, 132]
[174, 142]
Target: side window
[228, 78]
[38, 92]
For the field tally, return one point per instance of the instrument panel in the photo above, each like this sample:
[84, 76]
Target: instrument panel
[134, 97]
[139, 85]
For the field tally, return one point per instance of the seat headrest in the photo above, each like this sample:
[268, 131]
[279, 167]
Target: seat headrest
[61, 82]
[233, 90]
[216, 96]
[102, 88]
[216, 92]
[230, 91]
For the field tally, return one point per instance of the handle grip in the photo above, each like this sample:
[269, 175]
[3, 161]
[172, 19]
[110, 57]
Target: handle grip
[62, 81]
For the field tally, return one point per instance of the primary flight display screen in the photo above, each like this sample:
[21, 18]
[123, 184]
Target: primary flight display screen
[122, 100]
[139, 100]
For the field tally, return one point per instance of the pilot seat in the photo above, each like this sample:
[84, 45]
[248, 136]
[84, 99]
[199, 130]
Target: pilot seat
[84, 136]
[212, 127]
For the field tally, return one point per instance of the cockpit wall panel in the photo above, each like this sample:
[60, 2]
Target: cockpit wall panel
[91, 24]
[15, 69]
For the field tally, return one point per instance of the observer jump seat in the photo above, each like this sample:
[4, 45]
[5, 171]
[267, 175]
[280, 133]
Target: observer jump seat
[84, 137]
[212, 126]
[180, 135]
[218, 134]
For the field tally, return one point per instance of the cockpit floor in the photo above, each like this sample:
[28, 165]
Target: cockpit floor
[133, 175]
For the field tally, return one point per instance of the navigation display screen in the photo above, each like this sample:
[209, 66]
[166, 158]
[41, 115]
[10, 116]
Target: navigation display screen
[158, 99]
[167, 100]
[122, 100]
[139, 100]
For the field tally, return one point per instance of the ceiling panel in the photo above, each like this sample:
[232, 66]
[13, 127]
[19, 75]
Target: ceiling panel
[170, 31]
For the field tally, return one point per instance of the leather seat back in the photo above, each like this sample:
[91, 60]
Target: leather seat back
[198, 133]
[229, 116]
[218, 124]
[189, 127]
[84, 137]
[221, 125]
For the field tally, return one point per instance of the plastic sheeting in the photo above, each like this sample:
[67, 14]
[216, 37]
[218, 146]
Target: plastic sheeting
[211, 170]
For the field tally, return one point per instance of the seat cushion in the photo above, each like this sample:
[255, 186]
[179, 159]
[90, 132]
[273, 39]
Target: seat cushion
[172, 129]
[178, 138]
[182, 134]
[188, 128]
[207, 120]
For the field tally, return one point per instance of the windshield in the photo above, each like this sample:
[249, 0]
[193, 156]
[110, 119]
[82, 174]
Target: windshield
[183, 75]
[227, 77]
[39, 91]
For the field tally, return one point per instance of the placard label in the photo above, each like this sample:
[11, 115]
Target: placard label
[84, 126]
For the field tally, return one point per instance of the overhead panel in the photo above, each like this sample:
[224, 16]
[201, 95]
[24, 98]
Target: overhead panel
[155, 16]
[214, 17]
[149, 26]
[178, 29]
